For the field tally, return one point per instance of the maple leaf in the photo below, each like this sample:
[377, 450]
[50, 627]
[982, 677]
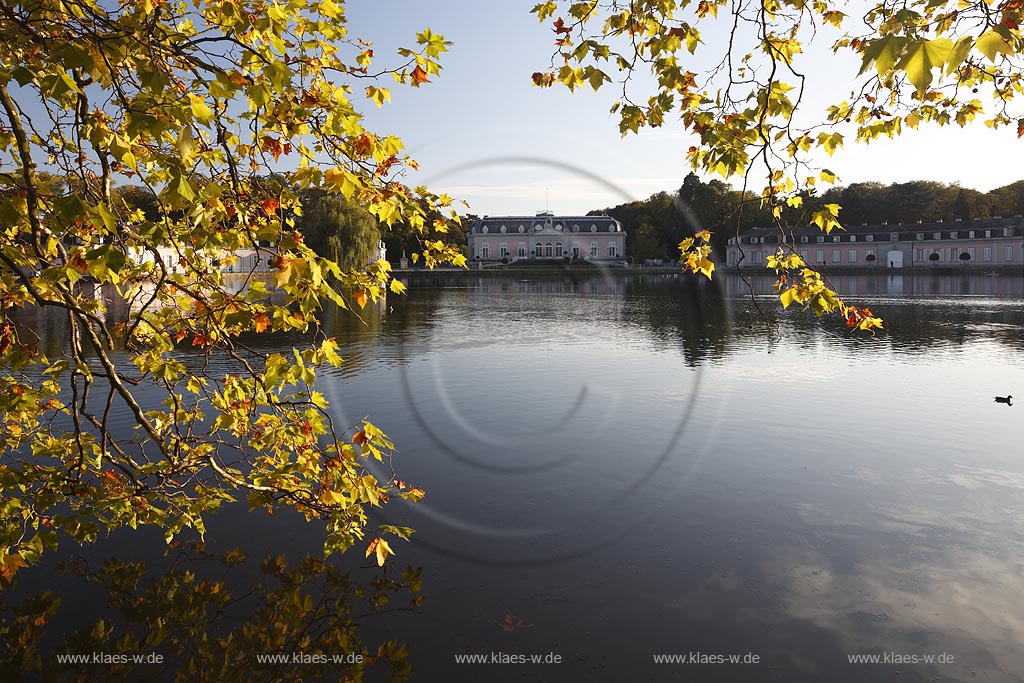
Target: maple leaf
[360, 438]
[362, 298]
[78, 262]
[419, 76]
[270, 206]
[544, 80]
[11, 564]
[381, 548]
[272, 145]
[261, 322]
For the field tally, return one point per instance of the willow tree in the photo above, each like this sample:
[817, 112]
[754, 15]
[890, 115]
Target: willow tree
[340, 230]
[224, 112]
[736, 74]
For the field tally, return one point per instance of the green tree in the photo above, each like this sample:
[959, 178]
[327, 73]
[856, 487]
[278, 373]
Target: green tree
[340, 230]
[224, 112]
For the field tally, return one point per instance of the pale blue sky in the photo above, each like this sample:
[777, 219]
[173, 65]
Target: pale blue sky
[483, 132]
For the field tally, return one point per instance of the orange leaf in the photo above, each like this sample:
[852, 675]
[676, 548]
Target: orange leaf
[362, 298]
[261, 322]
[360, 438]
[270, 206]
[419, 76]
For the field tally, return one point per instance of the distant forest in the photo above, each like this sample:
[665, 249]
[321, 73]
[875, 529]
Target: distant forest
[656, 225]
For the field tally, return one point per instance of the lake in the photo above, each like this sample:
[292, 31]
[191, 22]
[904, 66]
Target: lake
[622, 469]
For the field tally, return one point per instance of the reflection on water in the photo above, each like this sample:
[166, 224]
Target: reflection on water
[618, 467]
[200, 616]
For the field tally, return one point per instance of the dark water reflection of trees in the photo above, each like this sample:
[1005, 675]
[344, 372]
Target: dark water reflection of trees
[200, 616]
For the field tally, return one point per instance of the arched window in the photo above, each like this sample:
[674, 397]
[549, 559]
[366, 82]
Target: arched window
[547, 249]
[484, 230]
[558, 249]
[576, 228]
[611, 249]
[522, 249]
[503, 229]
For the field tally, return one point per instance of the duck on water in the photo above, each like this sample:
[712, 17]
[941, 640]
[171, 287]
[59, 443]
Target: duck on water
[1008, 400]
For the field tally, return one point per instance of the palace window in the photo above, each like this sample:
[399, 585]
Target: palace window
[575, 228]
[593, 228]
[821, 238]
[484, 230]
[558, 249]
[853, 238]
[503, 249]
[835, 238]
[503, 229]
[852, 255]
[988, 253]
[871, 238]
[593, 249]
[803, 255]
[937, 236]
[953, 235]
[485, 250]
[970, 234]
[611, 249]
[988, 233]
[820, 255]
[575, 249]
[522, 249]
[522, 229]
[547, 249]
[804, 239]
[970, 252]
[1009, 253]
[836, 258]
[867, 253]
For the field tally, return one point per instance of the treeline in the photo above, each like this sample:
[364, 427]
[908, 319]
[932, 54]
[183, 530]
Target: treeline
[656, 225]
[331, 225]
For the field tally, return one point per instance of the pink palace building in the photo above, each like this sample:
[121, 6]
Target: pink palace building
[546, 237]
[979, 243]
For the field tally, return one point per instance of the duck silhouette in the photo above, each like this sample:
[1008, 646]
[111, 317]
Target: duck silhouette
[1008, 400]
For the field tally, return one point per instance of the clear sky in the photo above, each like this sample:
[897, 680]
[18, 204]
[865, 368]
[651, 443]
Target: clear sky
[484, 133]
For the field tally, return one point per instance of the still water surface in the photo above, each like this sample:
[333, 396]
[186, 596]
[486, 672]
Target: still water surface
[631, 466]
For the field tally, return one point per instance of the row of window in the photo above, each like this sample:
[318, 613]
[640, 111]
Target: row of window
[952, 254]
[539, 227]
[971, 234]
[548, 249]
